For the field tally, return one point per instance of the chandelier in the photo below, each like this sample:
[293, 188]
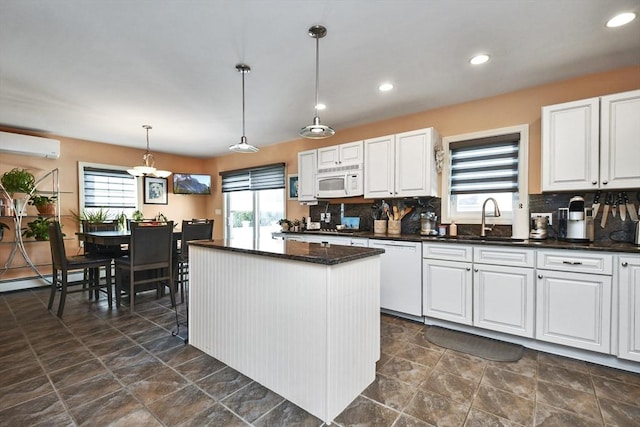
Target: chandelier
[148, 166]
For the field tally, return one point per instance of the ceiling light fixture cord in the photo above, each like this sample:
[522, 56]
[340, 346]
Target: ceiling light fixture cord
[317, 130]
[243, 146]
[317, 74]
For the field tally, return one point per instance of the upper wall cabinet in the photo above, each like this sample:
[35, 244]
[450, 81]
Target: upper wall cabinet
[401, 165]
[592, 143]
[340, 155]
[307, 167]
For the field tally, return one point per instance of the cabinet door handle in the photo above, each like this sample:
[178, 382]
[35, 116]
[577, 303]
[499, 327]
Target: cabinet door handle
[605, 182]
[624, 264]
[468, 268]
[594, 182]
[572, 262]
[476, 270]
[539, 276]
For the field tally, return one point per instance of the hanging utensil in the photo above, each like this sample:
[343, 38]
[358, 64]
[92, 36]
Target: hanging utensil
[614, 205]
[605, 212]
[631, 209]
[396, 214]
[623, 207]
[596, 204]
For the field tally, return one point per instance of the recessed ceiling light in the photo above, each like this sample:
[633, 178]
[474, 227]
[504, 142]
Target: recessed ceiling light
[621, 19]
[385, 87]
[320, 106]
[479, 59]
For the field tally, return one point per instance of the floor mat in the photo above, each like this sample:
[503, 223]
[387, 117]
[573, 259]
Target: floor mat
[486, 348]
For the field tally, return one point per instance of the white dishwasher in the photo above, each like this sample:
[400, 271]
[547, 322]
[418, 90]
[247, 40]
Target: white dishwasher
[400, 276]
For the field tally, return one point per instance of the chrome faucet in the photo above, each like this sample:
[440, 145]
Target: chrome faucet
[496, 213]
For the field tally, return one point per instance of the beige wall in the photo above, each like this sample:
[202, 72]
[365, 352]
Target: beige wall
[521, 107]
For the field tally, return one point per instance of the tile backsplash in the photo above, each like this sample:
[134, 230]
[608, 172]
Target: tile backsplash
[615, 230]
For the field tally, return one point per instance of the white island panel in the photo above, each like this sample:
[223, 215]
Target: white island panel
[309, 332]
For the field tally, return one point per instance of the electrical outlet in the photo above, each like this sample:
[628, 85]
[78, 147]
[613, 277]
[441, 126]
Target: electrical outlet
[327, 217]
[548, 215]
[321, 216]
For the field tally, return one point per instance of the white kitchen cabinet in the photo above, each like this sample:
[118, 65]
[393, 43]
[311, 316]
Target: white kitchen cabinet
[307, 168]
[629, 307]
[448, 290]
[591, 144]
[447, 282]
[573, 304]
[400, 276]
[619, 147]
[401, 165]
[504, 289]
[491, 287]
[351, 153]
[503, 299]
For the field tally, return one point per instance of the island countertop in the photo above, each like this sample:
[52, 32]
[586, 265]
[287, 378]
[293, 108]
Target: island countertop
[316, 253]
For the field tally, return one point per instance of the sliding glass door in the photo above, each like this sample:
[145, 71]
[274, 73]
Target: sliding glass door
[253, 214]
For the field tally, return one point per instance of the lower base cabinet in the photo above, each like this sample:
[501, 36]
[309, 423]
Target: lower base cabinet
[574, 309]
[503, 299]
[629, 306]
[448, 290]
[488, 287]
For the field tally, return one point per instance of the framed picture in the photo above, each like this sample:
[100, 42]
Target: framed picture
[155, 191]
[293, 186]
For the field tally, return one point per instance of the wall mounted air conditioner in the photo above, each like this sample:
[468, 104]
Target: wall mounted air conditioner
[26, 145]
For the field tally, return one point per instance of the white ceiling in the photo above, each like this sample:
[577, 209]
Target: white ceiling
[100, 69]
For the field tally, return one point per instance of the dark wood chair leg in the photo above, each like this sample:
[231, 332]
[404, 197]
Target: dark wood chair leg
[54, 288]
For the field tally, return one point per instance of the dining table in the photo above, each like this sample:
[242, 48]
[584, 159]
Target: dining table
[113, 237]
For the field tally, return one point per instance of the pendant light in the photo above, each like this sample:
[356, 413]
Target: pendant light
[148, 166]
[316, 130]
[243, 146]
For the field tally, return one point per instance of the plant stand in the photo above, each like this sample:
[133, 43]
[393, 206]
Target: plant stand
[19, 213]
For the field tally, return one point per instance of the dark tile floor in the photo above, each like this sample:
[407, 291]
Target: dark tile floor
[99, 367]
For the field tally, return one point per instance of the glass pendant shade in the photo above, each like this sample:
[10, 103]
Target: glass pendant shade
[148, 166]
[243, 146]
[317, 130]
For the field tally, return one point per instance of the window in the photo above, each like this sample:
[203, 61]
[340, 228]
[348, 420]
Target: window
[485, 164]
[106, 187]
[254, 201]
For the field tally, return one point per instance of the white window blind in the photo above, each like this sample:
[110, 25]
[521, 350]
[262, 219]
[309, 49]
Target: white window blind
[485, 165]
[260, 178]
[108, 188]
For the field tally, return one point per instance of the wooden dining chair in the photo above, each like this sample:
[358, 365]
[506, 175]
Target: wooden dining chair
[64, 265]
[149, 263]
[196, 229]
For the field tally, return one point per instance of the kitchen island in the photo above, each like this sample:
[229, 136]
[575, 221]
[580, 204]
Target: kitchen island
[302, 319]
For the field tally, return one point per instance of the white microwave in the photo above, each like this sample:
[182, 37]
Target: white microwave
[346, 183]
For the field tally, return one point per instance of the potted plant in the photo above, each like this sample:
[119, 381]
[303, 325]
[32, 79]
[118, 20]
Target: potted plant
[285, 224]
[3, 227]
[122, 221]
[38, 228]
[46, 205]
[18, 181]
[93, 216]
[137, 216]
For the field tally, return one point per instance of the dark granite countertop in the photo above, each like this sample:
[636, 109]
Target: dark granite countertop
[297, 251]
[476, 240]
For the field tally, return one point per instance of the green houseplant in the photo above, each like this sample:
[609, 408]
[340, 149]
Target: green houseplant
[38, 228]
[46, 205]
[18, 181]
[93, 216]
